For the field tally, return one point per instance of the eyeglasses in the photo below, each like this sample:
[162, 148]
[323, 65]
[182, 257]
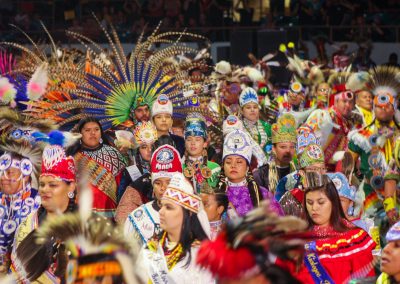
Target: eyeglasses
[323, 90]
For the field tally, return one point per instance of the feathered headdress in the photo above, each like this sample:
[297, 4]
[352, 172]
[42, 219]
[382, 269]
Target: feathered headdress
[121, 83]
[94, 243]
[27, 151]
[385, 85]
[305, 71]
[243, 247]
[97, 247]
[338, 82]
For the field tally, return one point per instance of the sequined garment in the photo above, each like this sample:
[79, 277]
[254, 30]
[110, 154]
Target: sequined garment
[292, 203]
[239, 198]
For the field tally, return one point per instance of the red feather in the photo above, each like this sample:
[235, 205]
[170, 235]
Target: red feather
[223, 261]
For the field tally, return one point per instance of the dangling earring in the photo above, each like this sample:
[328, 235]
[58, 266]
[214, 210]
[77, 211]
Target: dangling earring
[204, 153]
[80, 141]
[101, 140]
[350, 211]
[71, 194]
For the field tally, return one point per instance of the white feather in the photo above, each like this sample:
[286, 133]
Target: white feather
[201, 54]
[273, 63]
[7, 90]
[381, 141]
[360, 140]
[357, 81]
[338, 156]
[128, 270]
[71, 138]
[253, 74]
[223, 67]
[268, 57]
[38, 83]
[85, 202]
[381, 90]
[359, 202]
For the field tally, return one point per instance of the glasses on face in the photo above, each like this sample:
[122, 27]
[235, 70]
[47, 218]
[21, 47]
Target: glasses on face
[323, 90]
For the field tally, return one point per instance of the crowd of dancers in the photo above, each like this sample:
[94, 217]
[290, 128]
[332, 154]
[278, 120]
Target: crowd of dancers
[155, 167]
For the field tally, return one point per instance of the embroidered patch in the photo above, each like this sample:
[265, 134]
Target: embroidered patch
[26, 167]
[165, 156]
[314, 152]
[5, 162]
[231, 120]
[162, 99]
[337, 182]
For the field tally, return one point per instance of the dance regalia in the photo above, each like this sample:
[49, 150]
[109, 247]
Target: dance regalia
[331, 128]
[143, 223]
[198, 174]
[14, 209]
[366, 115]
[374, 158]
[240, 201]
[31, 223]
[161, 262]
[335, 257]
[393, 173]
[270, 174]
[104, 166]
[287, 183]
[260, 131]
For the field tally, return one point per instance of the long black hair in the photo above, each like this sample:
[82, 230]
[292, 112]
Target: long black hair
[337, 215]
[78, 128]
[191, 231]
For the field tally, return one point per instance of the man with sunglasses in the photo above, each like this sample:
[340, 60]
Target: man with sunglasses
[374, 144]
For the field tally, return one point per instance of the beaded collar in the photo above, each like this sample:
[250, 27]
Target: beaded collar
[242, 183]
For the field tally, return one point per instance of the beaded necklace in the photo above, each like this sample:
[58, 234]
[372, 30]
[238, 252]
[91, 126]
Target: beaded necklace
[255, 129]
[172, 255]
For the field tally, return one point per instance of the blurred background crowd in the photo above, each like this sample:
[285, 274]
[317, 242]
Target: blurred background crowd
[338, 20]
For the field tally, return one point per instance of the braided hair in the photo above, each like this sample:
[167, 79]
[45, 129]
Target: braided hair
[252, 186]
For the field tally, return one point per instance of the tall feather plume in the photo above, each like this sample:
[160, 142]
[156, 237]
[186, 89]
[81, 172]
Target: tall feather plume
[387, 78]
[89, 236]
[38, 83]
[358, 81]
[39, 52]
